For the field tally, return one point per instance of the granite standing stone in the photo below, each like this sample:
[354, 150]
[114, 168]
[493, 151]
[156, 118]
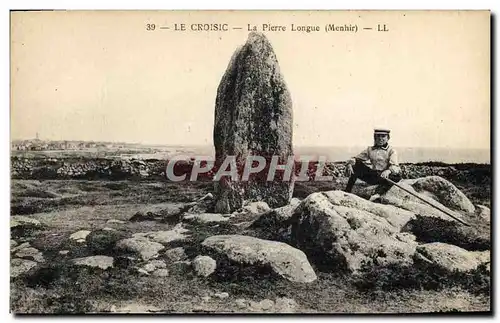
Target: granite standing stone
[253, 116]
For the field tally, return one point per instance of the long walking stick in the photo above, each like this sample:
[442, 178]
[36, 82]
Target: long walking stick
[431, 204]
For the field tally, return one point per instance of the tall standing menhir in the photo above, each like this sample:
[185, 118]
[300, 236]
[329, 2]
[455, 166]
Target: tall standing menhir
[253, 116]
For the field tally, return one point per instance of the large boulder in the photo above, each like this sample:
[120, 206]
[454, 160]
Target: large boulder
[397, 217]
[444, 192]
[339, 236]
[253, 116]
[284, 260]
[433, 225]
[434, 189]
[450, 257]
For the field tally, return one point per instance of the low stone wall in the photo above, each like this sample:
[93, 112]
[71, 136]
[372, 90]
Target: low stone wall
[51, 168]
[114, 169]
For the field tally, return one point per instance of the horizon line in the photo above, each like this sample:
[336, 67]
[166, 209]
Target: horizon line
[211, 145]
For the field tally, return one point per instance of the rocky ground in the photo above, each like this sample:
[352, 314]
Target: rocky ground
[153, 246]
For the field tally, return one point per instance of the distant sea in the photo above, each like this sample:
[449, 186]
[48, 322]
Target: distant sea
[406, 154]
[333, 154]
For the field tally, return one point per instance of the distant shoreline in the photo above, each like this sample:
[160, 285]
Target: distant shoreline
[205, 146]
[430, 163]
[332, 154]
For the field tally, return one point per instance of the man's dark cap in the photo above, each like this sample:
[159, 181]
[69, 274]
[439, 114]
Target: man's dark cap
[381, 131]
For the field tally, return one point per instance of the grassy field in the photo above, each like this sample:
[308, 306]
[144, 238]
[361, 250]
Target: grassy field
[66, 206]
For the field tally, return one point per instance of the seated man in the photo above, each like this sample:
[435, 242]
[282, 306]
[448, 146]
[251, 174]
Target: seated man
[384, 164]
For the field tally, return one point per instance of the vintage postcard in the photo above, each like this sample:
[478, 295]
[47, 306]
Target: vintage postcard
[250, 162]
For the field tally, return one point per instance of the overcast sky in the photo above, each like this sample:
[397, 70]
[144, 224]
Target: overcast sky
[102, 76]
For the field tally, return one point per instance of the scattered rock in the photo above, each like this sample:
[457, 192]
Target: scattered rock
[158, 263]
[241, 303]
[450, 257]
[204, 265]
[206, 298]
[266, 304]
[347, 238]
[143, 271]
[258, 207]
[103, 262]
[221, 295]
[142, 246]
[13, 243]
[63, 252]
[264, 102]
[285, 305]
[30, 253]
[108, 229]
[21, 246]
[205, 218]
[23, 222]
[284, 260]
[20, 266]
[162, 272]
[175, 254]
[178, 233]
[149, 268]
[80, 235]
[153, 265]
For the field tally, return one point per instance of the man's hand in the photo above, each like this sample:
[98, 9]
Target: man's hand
[385, 174]
[349, 171]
